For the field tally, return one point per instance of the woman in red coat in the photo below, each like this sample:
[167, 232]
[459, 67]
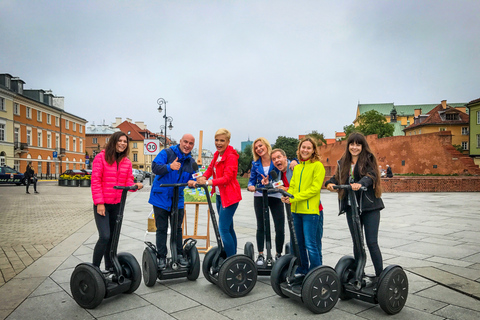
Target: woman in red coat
[110, 168]
[224, 169]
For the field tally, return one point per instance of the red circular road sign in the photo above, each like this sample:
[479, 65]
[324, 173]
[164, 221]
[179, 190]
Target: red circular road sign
[151, 147]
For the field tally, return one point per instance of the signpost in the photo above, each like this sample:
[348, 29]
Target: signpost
[151, 146]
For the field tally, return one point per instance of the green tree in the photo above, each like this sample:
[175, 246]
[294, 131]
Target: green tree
[371, 122]
[289, 145]
[245, 160]
[349, 129]
[320, 137]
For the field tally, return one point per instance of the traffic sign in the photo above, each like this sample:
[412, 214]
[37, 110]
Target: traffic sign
[151, 146]
[55, 155]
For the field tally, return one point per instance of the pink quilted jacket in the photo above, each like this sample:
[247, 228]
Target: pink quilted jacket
[105, 177]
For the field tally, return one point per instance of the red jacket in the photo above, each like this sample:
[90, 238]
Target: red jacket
[105, 177]
[226, 176]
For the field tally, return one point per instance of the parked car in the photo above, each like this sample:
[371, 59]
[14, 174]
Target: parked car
[138, 175]
[87, 171]
[74, 172]
[10, 175]
[147, 174]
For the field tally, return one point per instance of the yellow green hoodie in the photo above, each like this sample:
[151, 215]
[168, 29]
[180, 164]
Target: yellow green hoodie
[307, 180]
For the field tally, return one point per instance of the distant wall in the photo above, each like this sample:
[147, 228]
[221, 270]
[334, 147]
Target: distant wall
[431, 184]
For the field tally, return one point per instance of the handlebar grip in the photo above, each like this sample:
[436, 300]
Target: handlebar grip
[174, 185]
[347, 187]
[134, 187]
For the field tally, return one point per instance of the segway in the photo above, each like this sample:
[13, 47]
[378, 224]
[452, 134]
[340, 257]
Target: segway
[89, 285]
[391, 289]
[173, 270]
[235, 275]
[319, 289]
[266, 269]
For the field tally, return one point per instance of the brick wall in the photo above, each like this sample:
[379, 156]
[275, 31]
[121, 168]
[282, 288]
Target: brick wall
[431, 184]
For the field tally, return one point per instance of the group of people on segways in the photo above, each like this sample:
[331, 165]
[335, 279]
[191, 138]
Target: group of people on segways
[299, 273]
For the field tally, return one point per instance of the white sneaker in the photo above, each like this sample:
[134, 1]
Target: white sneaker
[260, 260]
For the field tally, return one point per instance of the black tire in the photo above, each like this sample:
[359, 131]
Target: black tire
[87, 286]
[321, 289]
[279, 273]
[207, 263]
[150, 267]
[344, 269]
[249, 250]
[194, 261]
[131, 270]
[393, 291]
[237, 276]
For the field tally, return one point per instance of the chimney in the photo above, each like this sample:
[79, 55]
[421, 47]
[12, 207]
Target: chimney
[417, 112]
[141, 125]
[444, 104]
[128, 119]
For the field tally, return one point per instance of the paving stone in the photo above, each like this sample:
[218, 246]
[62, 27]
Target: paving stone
[454, 312]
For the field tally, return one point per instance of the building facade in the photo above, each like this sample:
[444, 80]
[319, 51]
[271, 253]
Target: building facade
[474, 128]
[37, 129]
[96, 138]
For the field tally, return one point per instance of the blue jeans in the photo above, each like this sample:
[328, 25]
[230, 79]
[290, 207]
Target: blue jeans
[225, 226]
[306, 226]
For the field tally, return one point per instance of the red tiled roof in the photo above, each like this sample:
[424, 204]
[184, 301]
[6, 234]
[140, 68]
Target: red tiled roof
[474, 101]
[434, 118]
[134, 130]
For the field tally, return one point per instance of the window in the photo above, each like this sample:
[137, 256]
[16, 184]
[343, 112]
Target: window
[2, 104]
[134, 145]
[49, 119]
[478, 140]
[465, 131]
[2, 132]
[419, 131]
[29, 113]
[135, 157]
[464, 145]
[451, 116]
[80, 128]
[16, 109]
[94, 140]
[16, 165]
[57, 141]
[29, 137]
[106, 140]
[49, 140]
[74, 126]
[39, 138]
[67, 143]
[81, 145]
[57, 122]
[39, 116]
[443, 129]
[74, 142]
[16, 135]
[2, 160]
[67, 125]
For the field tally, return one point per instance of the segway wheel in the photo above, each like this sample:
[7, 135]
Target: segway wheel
[237, 276]
[194, 263]
[320, 289]
[279, 273]
[393, 291]
[131, 270]
[150, 267]
[249, 250]
[207, 264]
[344, 269]
[87, 286]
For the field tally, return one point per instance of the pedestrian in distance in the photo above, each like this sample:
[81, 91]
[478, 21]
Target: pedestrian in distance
[171, 165]
[358, 167]
[31, 177]
[305, 186]
[110, 168]
[389, 172]
[224, 169]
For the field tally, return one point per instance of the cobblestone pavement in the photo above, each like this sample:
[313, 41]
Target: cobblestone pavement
[32, 224]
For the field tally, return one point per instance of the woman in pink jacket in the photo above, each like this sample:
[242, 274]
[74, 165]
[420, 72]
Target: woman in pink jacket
[111, 167]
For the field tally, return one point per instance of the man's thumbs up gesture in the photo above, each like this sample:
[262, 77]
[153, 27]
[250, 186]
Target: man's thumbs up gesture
[175, 165]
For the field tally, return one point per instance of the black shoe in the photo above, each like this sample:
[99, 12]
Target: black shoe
[260, 260]
[277, 256]
[162, 263]
[36, 191]
[182, 261]
[28, 192]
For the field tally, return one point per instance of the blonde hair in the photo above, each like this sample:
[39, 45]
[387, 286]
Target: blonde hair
[265, 142]
[224, 132]
[315, 155]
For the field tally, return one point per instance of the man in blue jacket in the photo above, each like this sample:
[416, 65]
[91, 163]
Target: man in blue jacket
[172, 165]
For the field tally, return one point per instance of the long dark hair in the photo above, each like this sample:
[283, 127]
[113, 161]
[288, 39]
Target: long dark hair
[366, 164]
[111, 154]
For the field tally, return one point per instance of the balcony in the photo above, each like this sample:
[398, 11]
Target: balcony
[20, 147]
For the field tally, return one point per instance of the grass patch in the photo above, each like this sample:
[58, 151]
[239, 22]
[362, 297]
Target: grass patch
[243, 182]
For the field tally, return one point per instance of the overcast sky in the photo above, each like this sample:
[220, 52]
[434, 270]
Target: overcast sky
[257, 68]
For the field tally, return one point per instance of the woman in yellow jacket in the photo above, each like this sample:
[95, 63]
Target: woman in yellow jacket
[307, 180]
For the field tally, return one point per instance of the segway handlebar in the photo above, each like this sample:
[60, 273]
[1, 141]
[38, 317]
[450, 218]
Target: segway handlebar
[347, 187]
[174, 185]
[134, 187]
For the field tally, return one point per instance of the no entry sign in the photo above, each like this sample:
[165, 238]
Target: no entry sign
[151, 146]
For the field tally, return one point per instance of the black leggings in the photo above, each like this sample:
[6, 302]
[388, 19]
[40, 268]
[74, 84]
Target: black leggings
[276, 209]
[32, 181]
[370, 221]
[105, 227]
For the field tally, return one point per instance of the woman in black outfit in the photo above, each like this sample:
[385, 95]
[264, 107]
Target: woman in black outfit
[358, 167]
[30, 177]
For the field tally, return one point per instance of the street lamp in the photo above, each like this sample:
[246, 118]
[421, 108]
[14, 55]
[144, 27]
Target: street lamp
[162, 102]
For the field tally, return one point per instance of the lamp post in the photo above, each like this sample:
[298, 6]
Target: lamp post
[162, 102]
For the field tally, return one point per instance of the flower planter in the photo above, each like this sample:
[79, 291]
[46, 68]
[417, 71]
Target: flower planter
[62, 183]
[73, 183]
[85, 183]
